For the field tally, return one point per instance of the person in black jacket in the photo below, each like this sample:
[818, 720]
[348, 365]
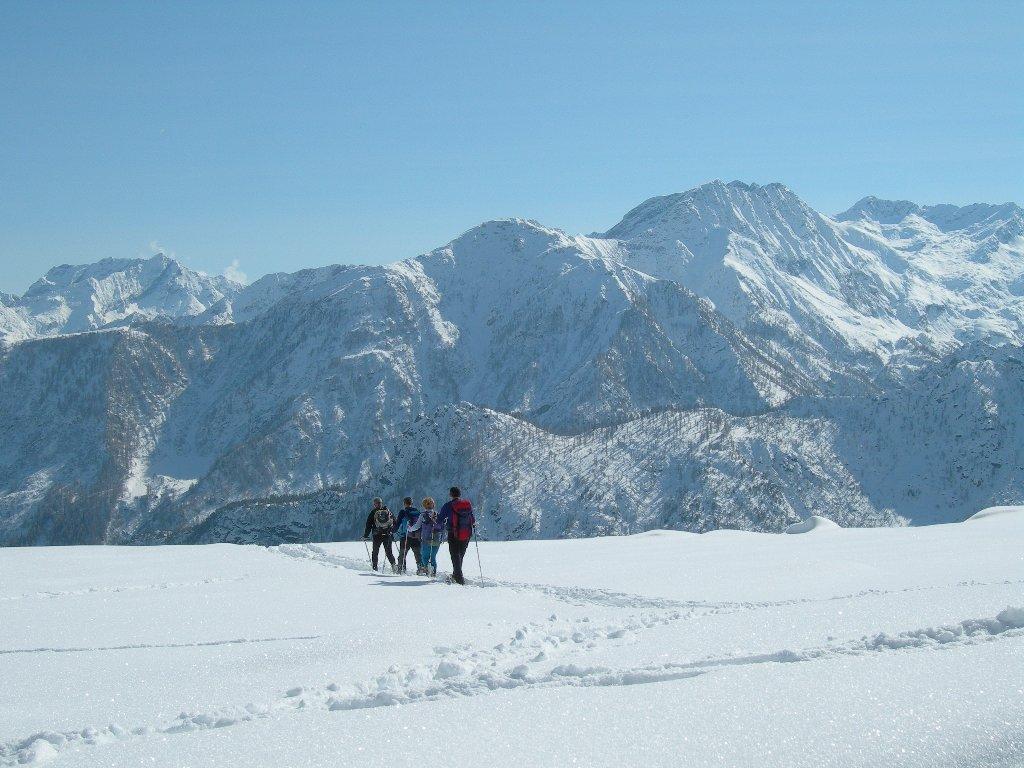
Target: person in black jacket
[380, 522]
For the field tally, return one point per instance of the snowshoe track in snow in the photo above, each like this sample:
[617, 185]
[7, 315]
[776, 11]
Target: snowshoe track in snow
[539, 655]
[145, 646]
[529, 660]
[580, 596]
[116, 590]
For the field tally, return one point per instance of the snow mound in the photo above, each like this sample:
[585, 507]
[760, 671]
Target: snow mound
[812, 523]
[995, 512]
[1009, 619]
[1012, 617]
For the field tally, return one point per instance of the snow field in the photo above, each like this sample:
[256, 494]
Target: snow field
[835, 647]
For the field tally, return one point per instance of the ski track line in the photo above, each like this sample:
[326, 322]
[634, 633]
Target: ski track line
[115, 590]
[521, 663]
[580, 596]
[574, 595]
[142, 646]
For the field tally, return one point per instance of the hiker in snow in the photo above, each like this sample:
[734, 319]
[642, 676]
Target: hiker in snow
[457, 515]
[381, 523]
[407, 534]
[431, 532]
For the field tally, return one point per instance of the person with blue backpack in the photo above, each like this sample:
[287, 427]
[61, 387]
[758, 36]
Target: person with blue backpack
[431, 531]
[407, 535]
[457, 516]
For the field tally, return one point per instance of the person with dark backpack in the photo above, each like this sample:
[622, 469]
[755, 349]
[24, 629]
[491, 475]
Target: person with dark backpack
[458, 515]
[407, 535]
[381, 523]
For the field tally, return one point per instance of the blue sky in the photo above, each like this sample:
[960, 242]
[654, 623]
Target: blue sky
[281, 136]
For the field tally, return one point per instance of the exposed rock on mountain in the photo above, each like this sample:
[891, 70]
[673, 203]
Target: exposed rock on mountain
[723, 357]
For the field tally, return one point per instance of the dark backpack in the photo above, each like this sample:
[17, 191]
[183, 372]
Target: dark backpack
[461, 521]
[382, 520]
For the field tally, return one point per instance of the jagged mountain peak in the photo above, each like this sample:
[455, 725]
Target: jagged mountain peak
[879, 210]
[977, 219]
[65, 275]
[81, 297]
[501, 237]
[716, 205]
[139, 274]
[946, 217]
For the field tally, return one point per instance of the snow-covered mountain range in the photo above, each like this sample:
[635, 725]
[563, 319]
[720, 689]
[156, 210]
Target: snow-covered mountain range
[723, 357]
[112, 293]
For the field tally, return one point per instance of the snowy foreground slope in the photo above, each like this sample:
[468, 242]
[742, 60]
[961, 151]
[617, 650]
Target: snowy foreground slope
[835, 647]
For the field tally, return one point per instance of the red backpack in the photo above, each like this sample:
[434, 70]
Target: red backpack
[462, 519]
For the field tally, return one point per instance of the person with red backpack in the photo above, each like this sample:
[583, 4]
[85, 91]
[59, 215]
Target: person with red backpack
[457, 514]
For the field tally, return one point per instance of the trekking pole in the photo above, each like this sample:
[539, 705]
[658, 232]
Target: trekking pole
[478, 565]
[367, 546]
